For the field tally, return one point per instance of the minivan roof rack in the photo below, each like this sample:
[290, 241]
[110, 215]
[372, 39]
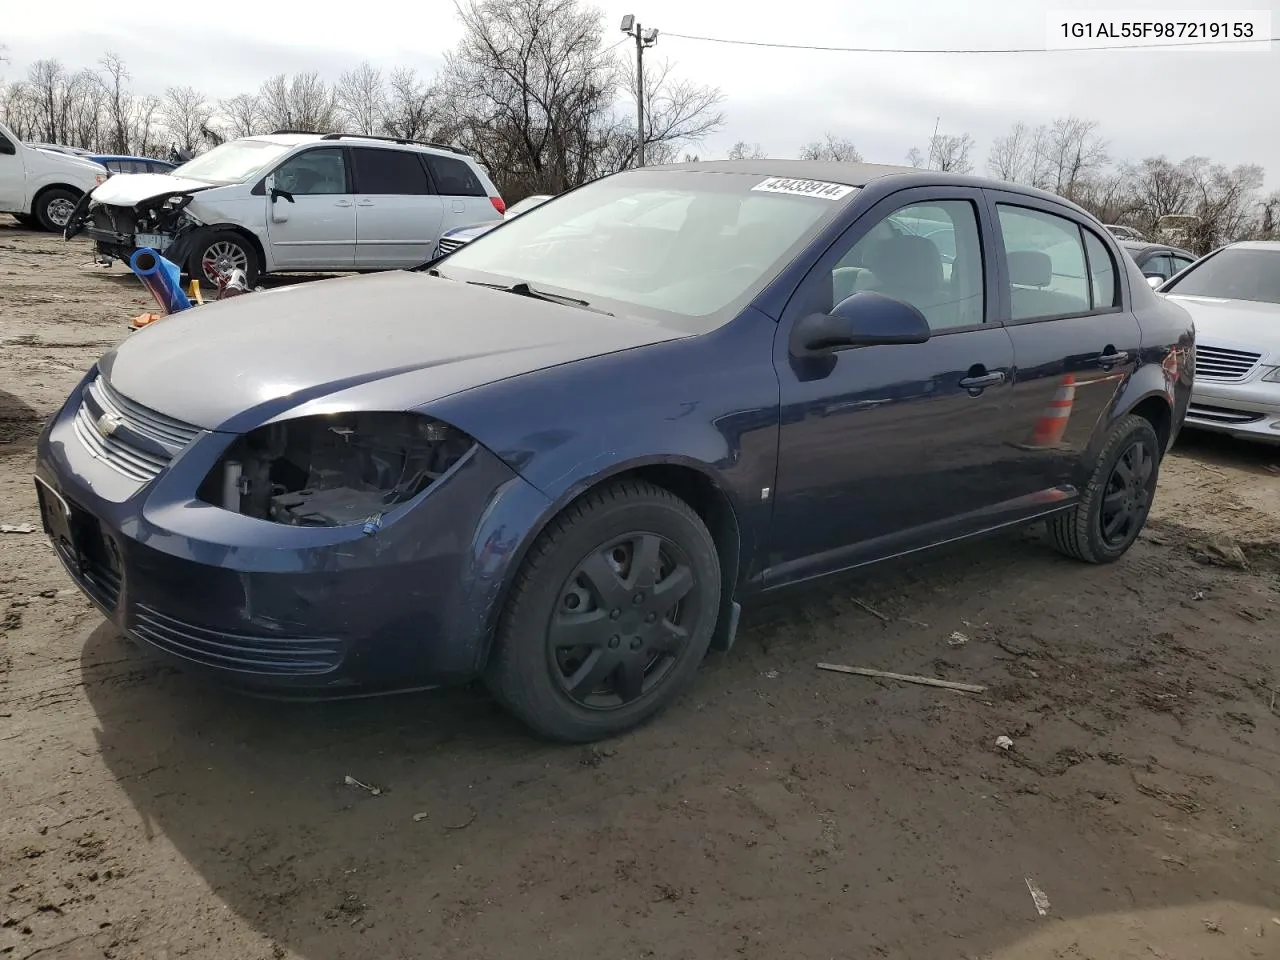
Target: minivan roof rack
[281, 133]
[401, 140]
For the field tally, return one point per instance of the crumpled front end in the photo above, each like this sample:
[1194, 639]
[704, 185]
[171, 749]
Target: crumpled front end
[161, 223]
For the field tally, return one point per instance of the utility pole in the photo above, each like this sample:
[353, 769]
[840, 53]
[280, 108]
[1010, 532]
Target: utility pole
[644, 38]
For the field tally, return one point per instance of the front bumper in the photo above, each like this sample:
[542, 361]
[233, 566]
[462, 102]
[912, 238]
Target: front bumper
[1249, 410]
[272, 608]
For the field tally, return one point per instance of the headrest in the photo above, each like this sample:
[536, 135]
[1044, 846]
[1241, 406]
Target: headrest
[1030, 268]
[906, 263]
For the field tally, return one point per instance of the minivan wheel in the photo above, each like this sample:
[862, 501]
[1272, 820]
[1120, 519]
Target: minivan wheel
[226, 250]
[609, 616]
[54, 208]
[1117, 499]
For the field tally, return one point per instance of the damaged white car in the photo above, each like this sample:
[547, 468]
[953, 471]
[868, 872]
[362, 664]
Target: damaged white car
[291, 202]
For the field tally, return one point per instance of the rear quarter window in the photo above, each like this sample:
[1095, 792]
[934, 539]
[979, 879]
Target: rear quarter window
[453, 177]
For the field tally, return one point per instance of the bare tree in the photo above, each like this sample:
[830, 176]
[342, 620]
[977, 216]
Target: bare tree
[1157, 187]
[244, 115]
[677, 113]
[831, 147]
[303, 102]
[950, 152]
[117, 101]
[412, 109]
[1224, 199]
[362, 99]
[915, 158]
[746, 151]
[186, 114]
[47, 84]
[1071, 150]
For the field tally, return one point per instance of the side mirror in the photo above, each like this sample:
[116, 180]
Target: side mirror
[865, 319]
[1153, 280]
[278, 211]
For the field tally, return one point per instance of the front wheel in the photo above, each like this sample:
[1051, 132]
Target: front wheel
[221, 252]
[610, 614]
[1114, 507]
[54, 207]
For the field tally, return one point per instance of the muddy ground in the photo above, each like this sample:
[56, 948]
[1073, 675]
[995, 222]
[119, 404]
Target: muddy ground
[777, 811]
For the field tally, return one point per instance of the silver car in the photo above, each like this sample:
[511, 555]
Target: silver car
[1233, 295]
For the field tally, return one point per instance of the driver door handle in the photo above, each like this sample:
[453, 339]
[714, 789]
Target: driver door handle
[1111, 359]
[342, 203]
[364, 203]
[984, 381]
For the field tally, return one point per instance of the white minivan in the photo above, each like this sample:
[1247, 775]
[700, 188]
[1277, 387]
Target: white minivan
[292, 202]
[42, 187]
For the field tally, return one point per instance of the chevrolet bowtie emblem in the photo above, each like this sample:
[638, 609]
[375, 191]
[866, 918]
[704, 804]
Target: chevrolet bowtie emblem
[107, 424]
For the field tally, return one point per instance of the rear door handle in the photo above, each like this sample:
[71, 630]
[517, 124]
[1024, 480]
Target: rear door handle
[984, 381]
[364, 203]
[342, 203]
[1111, 359]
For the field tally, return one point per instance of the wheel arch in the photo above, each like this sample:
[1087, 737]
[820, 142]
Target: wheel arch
[199, 235]
[687, 479]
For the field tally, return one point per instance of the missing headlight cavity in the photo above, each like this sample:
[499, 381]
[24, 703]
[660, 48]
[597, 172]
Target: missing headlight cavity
[333, 470]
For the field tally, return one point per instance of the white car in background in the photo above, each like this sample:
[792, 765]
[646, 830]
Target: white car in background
[1233, 295]
[453, 239]
[41, 187]
[292, 202]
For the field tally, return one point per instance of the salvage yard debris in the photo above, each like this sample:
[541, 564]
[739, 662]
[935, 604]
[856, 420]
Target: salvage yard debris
[1038, 897]
[351, 781]
[904, 677]
[17, 528]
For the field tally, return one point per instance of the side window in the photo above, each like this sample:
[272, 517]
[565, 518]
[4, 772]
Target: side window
[393, 172]
[1181, 263]
[454, 178]
[1045, 256]
[1160, 265]
[1102, 273]
[313, 172]
[928, 255]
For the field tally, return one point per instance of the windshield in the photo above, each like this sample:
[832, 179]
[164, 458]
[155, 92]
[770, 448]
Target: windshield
[685, 248]
[232, 162]
[1233, 274]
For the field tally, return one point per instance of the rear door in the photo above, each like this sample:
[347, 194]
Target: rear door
[1065, 304]
[316, 228]
[398, 215]
[465, 199]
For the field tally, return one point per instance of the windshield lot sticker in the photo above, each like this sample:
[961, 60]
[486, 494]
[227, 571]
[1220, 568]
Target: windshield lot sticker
[805, 188]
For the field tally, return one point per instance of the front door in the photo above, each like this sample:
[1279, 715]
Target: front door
[397, 214]
[1074, 342]
[887, 449]
[317, 230]
[12, 177]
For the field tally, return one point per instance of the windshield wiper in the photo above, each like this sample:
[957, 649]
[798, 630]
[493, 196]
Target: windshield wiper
[522, 288]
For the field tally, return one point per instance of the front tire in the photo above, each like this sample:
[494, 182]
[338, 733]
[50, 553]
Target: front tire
[610, 614]
[1114, 507]
[227, 250]
[54, 207]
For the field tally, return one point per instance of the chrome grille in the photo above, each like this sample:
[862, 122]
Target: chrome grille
[163, 430]
[116, 450]
[1219, 363]
[449, 244]
[123, 457]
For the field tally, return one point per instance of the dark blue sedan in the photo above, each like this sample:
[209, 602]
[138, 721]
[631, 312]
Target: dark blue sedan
[560, 457]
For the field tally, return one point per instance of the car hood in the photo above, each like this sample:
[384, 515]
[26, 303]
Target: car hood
[398, 339]
[129, 189]
[1235, 324]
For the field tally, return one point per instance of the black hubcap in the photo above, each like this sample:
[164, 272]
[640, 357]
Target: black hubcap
[1128, 494]
[621, 622]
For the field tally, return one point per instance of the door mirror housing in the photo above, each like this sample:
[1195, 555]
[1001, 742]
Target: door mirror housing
[865, 319]
[1153, 280]
[278, 212]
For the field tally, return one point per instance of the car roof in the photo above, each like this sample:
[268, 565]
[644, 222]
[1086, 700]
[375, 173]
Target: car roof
[1142, 246]
[855, 174]
[297, 139]
[1272, 245]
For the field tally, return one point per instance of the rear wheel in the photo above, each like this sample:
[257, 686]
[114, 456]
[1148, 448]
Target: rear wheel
[610, 614]
[1117, 499]
[223, 250]
[54, 207]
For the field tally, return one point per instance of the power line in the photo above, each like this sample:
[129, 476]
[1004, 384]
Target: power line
[806, 46]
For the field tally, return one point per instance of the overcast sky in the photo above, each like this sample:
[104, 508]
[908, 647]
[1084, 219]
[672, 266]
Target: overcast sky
[1219, 104]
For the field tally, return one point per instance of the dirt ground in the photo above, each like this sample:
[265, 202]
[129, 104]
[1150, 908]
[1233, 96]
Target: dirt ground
[777, 811]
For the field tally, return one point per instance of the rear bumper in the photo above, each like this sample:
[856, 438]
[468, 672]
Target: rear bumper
[282, 610]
